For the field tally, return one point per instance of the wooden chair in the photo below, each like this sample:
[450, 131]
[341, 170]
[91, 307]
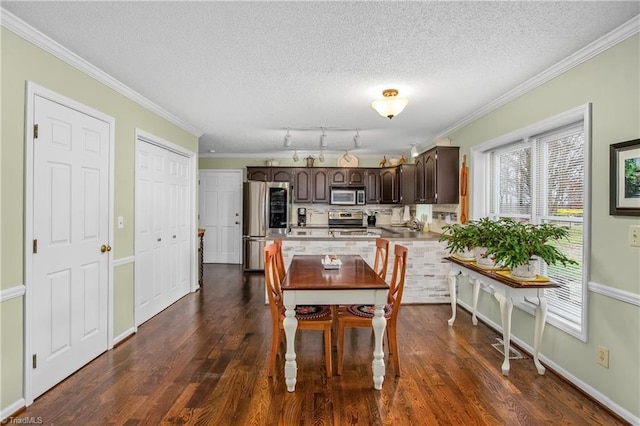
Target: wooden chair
[379, 266]
[382, 257]
[360, 315]
[309, 317]
[280, 258]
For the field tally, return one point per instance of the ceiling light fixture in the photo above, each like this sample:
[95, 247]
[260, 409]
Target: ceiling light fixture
[356, 139]
[287, 140]
[414, 150]
[295, 156]
[390, 105]
[321, 156]
[323, 140]
[346, 156]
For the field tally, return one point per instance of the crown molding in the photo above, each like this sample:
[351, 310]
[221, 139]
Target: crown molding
[626, 30]
[24, 30]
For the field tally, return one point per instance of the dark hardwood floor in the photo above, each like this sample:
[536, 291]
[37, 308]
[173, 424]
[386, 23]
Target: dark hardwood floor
[204, 361]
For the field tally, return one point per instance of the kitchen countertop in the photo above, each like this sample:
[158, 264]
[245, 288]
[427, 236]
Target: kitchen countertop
[387, 232]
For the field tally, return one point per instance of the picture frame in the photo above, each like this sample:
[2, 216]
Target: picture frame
[624, 178]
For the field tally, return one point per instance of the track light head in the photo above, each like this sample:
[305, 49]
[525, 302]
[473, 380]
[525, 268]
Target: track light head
[356, 139]
[287, 140]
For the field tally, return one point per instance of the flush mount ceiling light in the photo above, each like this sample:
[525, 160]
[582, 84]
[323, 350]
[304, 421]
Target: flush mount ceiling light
[287, 140]
[414, 150]
[390, 105]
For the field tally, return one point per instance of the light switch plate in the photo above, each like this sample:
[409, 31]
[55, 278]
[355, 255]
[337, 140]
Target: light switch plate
[120, 222]
[634, 235]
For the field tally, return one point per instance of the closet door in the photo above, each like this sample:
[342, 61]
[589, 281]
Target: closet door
[162, 255]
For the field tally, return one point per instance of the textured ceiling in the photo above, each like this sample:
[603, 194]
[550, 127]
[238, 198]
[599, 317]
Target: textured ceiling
[241, 72]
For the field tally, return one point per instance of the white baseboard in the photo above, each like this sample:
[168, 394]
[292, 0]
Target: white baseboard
[584, 387]
[124, 335]
[11, 409]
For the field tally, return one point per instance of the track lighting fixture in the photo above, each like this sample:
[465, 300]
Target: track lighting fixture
[323, 140]
[414, 151]
[356, 139]
[321, 156]
[287, 140]
[295, 156]
[346, 156]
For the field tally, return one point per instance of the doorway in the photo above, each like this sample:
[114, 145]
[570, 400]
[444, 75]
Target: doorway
[68, 216]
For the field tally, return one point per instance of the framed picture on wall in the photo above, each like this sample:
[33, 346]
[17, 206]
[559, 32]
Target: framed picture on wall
[624, 178]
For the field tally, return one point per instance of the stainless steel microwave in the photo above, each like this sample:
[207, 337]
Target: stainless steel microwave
[348, 196]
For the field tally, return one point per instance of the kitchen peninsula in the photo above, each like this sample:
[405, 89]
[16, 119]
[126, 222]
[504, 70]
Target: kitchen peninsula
[426, 276]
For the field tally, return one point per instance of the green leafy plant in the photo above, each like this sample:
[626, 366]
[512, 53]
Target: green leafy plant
[459, 238]
[521, 241]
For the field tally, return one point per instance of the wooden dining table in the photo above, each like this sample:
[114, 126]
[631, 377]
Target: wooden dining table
[307, 282]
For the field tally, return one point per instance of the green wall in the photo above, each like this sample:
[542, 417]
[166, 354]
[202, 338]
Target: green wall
[611, 83]
[22, 61]
[285, 160]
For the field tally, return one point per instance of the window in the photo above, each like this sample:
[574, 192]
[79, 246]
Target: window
[540, 175]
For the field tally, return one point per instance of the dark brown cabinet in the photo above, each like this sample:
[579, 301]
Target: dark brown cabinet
[397, 184]
[356, 177]
[388, 186]
[441, 178]
[420, 193]
[338, 177]
[259, 173]
[372, 186]
[320, 185]
[302, 185]
[282, 174]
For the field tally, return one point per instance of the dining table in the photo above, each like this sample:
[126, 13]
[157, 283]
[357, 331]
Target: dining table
[307, 282]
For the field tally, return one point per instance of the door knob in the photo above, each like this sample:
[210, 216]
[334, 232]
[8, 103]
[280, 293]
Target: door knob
[105, 248]
[237, 223]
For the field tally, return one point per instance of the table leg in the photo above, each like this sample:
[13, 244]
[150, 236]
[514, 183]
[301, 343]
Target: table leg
[475, 283]
[541, 317]
[290, 323]
[452, 277]
[506, 306]
[379, 322]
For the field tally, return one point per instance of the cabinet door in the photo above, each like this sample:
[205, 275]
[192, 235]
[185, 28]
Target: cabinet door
[430, 177]
[320, 185]
[262, 174]
[448, 175]
[302, 186]
[372, 186]
[406, 184]
[282, 174]
[388, 186]
[338, 176]
[356, 176]
[419, 179]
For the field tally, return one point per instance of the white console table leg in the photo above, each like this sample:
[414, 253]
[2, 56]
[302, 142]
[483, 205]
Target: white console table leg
[290, 323]
[541, 317]
[452, 278]
[379, 322]
[506, 306]
[476, 290]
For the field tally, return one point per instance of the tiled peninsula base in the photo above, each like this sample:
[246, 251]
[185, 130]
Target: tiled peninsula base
[426, 276]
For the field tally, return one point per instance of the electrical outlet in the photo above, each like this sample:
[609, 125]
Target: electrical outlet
[602, 356]
[634, 235]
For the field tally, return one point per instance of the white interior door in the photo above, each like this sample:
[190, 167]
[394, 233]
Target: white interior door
[220, 213]
[162, 232]
[70, 272]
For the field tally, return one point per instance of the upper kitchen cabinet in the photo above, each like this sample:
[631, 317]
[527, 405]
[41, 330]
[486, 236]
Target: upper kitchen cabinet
[347, 177]
[320, 185]
[397, 184]
[372, 186]
[262, 174]
[441, 178]
[282, 174]
[303, 185]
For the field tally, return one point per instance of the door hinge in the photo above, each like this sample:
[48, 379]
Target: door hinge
[34, 361]
[35, 246]
[35, 131]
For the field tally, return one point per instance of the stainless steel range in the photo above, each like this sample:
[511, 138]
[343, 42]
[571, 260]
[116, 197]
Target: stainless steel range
[346, 220]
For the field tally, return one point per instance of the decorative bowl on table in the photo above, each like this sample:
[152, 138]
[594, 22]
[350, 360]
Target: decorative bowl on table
[331, 262]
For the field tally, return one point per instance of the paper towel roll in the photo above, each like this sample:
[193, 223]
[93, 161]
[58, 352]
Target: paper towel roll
[407, 215]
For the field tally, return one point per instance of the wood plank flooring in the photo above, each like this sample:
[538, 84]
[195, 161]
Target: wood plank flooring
[203, 361]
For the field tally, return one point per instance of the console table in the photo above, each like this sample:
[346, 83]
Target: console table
[506, 291]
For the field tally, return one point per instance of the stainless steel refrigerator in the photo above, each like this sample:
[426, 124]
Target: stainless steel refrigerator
[267, 211]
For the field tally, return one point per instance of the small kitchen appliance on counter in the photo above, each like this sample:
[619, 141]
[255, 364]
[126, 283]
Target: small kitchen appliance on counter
[302, 216]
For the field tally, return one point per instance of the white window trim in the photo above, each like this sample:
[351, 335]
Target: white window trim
[480, 202]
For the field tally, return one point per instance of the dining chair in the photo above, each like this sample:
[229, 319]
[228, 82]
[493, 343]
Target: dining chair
[361, 315]
[310, 317]
[380, 263]
[280, 258]
[382, 258]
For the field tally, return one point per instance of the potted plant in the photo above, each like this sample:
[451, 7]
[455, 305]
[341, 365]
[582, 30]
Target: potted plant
[460, 239]
[489, 234]
[522, 243]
